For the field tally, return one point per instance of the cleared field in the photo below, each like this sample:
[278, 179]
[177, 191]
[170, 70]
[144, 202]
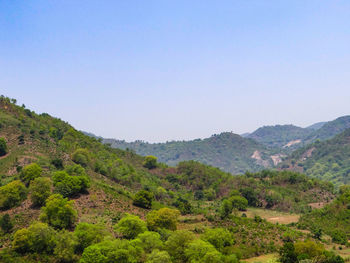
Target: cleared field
[262, 259]
[272, 216]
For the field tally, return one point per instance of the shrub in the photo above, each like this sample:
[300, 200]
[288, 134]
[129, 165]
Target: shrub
[38, 238]
[225, 209]
[202, 251]
[3, 147]
[12, 194]
[68, 185]
[143, 199]
[81, 156]
[30, 172]
[40, 190]
[239, 202]
[177, 243]
[88, 234]
[58, 163]
[158, 257]
[163, 218]
[58, 212]
[150, 241]
[150, 162]
[5, 223]
[183, 205]
[130, 226]
[218, 237]
[65, 247]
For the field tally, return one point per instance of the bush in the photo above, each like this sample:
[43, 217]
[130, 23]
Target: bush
[130, 226]
[5, 223]
[239, 202]
[40, 190]
[202, 251]
[81, 156]
[143, 199]
[163, 218]
[158, 257]
[183, 205]
[58, 163]
[219, 238]
[150, 241]
[30, 172]
[150, 162]
[225, 209]
[58, 212]
[177, 243]
[88, 234]
[65, 247]
[3, 147]
[68, 185]
[38, 238]
[12, 194]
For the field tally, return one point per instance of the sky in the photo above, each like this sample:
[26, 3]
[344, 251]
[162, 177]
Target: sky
[177, 70]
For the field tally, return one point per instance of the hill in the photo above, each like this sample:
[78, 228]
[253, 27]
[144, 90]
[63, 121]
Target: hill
[227, 151]
[66, 197]
[328, 160]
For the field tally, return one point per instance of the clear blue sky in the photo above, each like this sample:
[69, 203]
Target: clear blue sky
[163, 70]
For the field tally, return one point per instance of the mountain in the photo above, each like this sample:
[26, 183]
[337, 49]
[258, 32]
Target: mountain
[316, 126]
[66, 197]
[329, 159]
[227, 151]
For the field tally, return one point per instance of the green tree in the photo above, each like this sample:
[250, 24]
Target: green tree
[158, 257]
[40, 190]
[130, 226]
[150, 241]
[38, 238]
[12, 194]
[65, 247]
[177, 243]
[225, 209]
[150, 162]
[143, 199]
[163, 218]
[5, 223]
[239, 202]
[87, 234]
[58, 212]
[81, 156]
[3, 147]
[287, 253]
[200, 251]
[30, 172]
[219, 238]
[68, 185]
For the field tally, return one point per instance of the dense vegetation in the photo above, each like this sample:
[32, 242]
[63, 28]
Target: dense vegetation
[66, 197]
[328, 160]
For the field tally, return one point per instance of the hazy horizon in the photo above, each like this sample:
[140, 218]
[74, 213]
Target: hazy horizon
[160, 70]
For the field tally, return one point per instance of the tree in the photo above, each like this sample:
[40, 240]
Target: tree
[38, 238]
[12, 194]
[163, 218]
[143, 199]
[225, 209]
[88, 234]
[130, 226]
[183, 205]
[81, 156]
[68, 185]
[40, 190]
[3, 147]
[158, 257]
[177, 243]
[239, 202]
[287, 253]
[200, 251]
[65, 247]
[219, 238]
[30, 172]
[150, 241]
[150, 162]
[5, 223]
[249, 194]
[58, 212]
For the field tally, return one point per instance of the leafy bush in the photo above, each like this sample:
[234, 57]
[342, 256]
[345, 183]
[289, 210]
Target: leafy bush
[202, 251]
[68, 185]
[30, 172]
[225, 209]
[219, 238]
[38, 238]
[88, 234]
[65, 247]
[40, 190]
[3, 147]
[239, 202]
[177, 244]
[183, 205]
[12, 194]
[6, 224]
[58, 212]
[130, 226]
[150, 241]
[163, 218]
[143, 199]
[158, 257]
[81, 156]
[150, 162]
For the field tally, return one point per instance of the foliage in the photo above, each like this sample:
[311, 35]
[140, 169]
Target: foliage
[163, 218]
[40, 190]
[88, 234]
[3, 147]
[12, 194]
[150, 162]
[177, 244]
[58, 212]
[30, 172]
[143, 199]
[6, 224]
[158, 257]
[130, 226]
[81, 156]
[68, 185]
[150, 241]
[220, 238]
[65, 247]
[201, 251]
[239, 203]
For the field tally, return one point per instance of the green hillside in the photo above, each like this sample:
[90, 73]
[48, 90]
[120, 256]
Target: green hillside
[228, 151]
[327, 160]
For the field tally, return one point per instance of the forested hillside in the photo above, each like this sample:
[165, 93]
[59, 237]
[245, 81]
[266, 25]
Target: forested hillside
[227, 151]
[327, 160]
[66, 197]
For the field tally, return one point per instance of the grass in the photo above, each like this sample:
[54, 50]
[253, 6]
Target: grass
[272, 216]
